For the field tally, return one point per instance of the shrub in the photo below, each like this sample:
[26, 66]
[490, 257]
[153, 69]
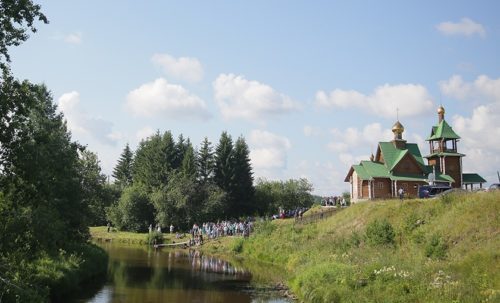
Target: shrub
[265, 228]
[380, 233]
[238, 245]
[436, 248]
[154, 238]
[355, 239]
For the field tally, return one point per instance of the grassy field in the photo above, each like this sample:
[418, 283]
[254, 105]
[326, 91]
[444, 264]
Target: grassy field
[101, 234]
[438, 250]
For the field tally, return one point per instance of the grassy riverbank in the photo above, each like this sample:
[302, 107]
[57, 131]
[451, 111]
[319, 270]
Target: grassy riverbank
[442, 250]
[101, 234]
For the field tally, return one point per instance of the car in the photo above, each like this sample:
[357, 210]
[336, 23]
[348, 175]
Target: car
[494, 186]
[430, 191]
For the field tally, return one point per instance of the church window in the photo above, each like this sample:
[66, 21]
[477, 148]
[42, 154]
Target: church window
[380, 185]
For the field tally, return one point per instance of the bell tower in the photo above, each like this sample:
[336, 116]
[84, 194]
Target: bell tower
[443, 154]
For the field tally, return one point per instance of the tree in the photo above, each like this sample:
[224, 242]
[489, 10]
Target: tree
[16, 18]
[205, 162]
[290, 194]
[153, 160]
[180, 151]
[96, 194]
[134, 210]
[243, 190]
[123, 169]
[188, 167]
[41, 174]
[224, 167]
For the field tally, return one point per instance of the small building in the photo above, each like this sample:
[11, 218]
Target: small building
[399, 164]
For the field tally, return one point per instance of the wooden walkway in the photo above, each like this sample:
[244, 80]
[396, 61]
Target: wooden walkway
[180, 244]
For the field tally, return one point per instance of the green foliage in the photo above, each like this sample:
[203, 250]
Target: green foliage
[154, 160]
[123, 169]
[96, 192]
[328, 260]
[154, 238]
[347, 196]
[46, 188]
[380, 232]
[436, 247]
[242, 193]
[290, 194]
[237, 246]
[324, 282]
[134, 210]
[52, 275]
[205, 162]
[188, 162]
[16, 18]
[265, 228]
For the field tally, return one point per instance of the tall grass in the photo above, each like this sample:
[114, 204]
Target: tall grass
[424, 251]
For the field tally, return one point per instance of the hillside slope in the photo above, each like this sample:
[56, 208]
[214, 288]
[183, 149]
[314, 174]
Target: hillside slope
[441, 250]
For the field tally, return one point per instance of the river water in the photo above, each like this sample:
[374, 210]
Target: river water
[139, 274]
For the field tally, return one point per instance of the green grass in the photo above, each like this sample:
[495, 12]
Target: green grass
[101, 234]
[443, 250]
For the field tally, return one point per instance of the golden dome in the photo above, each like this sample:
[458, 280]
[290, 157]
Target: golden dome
[398, 127]
[440, 109]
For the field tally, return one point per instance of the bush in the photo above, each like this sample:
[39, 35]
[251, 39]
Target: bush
[265, 228]
[238, 245]
[154, 238]
[436, 248]
[380, 233]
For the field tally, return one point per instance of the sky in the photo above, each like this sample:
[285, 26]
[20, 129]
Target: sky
[312, 86]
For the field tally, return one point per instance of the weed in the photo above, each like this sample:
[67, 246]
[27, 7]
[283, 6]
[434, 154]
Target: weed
[436, 248]
[380, 232]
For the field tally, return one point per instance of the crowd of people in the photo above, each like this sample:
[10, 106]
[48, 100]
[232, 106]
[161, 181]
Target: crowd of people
[212, 230]
[334, 201]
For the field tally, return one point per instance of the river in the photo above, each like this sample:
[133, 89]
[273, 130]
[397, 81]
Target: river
[139, 274]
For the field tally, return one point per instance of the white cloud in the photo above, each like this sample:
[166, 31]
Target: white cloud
[160, 98]
[84, 126]
[466, 27]
[268, 151]
[325, 176]
[410, 99]
[184, 68]
[311, 131]
[351, 138]
[480, 132]
[238, 97]
[482, 89]
[482, 129]
[74, 38]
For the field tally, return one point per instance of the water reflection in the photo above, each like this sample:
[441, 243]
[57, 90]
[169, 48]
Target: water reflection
[136, 274]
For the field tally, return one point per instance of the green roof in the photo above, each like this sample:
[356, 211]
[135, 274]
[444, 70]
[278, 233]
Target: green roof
[361, 172]
[442, 131]
[472, 178]
[393, 155]
[444, 178]
[375, 169]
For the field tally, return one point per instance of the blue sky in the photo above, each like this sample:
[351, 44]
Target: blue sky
[312, 86]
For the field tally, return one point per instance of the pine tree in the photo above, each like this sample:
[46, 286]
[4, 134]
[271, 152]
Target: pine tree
[224, 169]
[123, 169]
[243, 189]
[205, 162]
[154, 160]
[188, 162]
[180, 150]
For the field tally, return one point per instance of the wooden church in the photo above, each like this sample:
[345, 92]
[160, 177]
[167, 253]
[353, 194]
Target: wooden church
[399, 164]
